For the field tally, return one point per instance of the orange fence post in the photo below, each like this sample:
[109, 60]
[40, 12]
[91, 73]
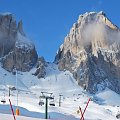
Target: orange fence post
[17, 112]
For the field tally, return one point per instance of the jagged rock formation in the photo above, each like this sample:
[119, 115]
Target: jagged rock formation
[41, 64]
[23, 57]
[7, 33]
[16, 50]
[91, 51]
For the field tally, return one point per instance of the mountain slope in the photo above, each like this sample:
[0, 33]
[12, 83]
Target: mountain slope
[57, 82]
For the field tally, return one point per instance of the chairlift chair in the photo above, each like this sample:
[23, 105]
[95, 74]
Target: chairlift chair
[3, 101]
[41, 102]
[118, 113]
[118, 116]
[13, 88]
[52, 103]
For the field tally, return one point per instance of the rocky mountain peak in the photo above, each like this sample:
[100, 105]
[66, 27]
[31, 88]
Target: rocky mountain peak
[16, 50]
[20, 28]
[8, 32]
[94, 17]
[91, 50]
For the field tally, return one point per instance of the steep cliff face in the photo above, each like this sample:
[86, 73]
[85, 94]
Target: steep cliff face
[16, 50]
[91, 51]
[8, 31]
[23, 56]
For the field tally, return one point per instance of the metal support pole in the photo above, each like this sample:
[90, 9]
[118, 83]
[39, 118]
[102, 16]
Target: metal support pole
[9, 91]
[16, 86]
[46, 108]
[17, 99]
[59, 101]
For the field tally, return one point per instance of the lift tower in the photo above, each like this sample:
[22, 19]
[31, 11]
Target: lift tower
[46, 96]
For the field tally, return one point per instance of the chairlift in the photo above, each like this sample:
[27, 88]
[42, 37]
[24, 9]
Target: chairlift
[118, 115]
[3, 101]
[41, 102]
[52, 102]
[13, 88]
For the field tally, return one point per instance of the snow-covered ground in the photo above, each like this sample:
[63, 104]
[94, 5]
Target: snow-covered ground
[103, 106]
[10, 117]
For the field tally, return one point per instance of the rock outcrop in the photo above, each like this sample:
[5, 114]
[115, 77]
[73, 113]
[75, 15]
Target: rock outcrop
[40, 71]
[8, 32]
[16, 50]
[91, 51]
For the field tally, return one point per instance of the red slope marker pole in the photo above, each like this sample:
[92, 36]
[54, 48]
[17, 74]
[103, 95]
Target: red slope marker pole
[81, 112]
[12, 110]
[85, 109]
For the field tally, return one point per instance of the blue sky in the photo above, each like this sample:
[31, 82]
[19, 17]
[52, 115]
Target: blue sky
[47, 22]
